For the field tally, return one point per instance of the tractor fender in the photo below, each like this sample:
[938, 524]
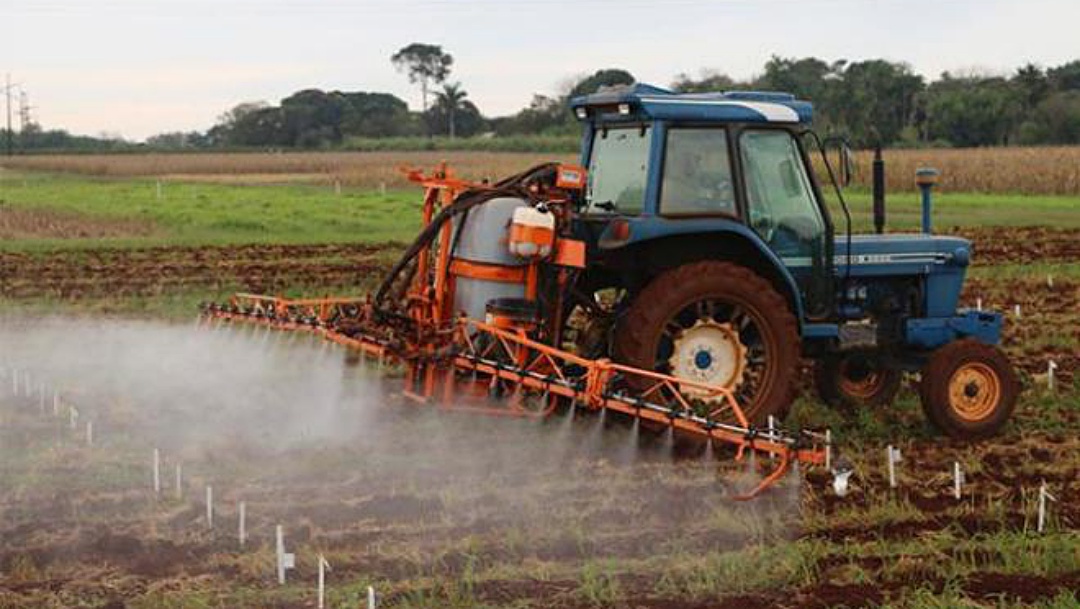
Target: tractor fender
[661, 243]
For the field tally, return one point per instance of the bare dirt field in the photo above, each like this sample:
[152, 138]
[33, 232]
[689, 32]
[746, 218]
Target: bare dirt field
[439, 510]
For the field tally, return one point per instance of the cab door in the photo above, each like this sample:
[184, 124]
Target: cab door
[782, 208]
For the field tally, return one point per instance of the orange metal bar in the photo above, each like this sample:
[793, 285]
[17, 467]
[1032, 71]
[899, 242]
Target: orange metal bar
[487, 272]
[442, 263]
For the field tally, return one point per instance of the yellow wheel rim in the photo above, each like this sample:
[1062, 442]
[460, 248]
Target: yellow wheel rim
[974, 391]
[862, 388]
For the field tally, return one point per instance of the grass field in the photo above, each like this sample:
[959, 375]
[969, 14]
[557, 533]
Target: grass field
[100, 281]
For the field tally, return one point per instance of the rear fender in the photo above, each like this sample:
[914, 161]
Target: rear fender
[657, 244]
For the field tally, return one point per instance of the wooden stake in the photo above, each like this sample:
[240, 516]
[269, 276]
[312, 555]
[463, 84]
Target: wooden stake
[894, 457]
[1044, 495]
[324, 566]
[242, 525]
[157, 472]
[209, 507]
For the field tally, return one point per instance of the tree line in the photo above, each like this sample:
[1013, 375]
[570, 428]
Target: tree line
[869, 102]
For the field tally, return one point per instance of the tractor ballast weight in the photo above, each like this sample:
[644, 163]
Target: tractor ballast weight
[678, 276]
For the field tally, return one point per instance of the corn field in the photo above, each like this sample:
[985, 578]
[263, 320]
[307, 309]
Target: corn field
[1036, 170]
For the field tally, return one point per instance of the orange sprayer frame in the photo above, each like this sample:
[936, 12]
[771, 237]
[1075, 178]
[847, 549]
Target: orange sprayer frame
[444, 362]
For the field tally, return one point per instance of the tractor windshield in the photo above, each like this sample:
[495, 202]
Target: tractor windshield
[618, 169]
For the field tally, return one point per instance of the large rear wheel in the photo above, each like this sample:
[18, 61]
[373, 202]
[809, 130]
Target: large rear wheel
[716, 323]
[968, 389]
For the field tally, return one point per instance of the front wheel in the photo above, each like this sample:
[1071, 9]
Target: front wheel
[968, 389]
[856, 379]
[717, 323]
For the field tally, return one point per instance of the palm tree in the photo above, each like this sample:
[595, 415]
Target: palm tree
[450, 99]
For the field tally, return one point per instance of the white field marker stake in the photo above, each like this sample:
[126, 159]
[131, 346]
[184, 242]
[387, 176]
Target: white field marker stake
[209, 507]
[159, 189]
[157, 471]
[978, 304]
[1051, 366]
[828, 450]
[73, 417]
[285, 560]
[371, 597]
[324, 566]
[337, 191]
[1016, 311]
[1043, 496]
[772, 430]
[242, 525]
[894, 457]
[1050, 281]
[89, 433]
[179, 487]
[958, 480]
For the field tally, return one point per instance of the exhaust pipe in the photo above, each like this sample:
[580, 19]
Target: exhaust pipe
[878, 170]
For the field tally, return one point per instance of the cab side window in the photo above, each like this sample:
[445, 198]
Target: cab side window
[697, 173]
[780, 199]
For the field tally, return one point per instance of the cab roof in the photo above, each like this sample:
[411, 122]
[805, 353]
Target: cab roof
[646, 101]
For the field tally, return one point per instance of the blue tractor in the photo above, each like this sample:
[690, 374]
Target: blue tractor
[712, 256]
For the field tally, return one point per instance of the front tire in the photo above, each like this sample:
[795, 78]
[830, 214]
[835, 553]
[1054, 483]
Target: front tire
[856, 380]
[968, 389]
[742, 329]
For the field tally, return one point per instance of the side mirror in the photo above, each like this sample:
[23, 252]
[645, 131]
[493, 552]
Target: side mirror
[846, 164]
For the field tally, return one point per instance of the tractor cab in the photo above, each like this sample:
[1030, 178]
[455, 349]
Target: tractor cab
[662, 164]
[730, 173]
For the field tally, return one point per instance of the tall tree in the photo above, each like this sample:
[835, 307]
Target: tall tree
[1065, 77]
[709, 82]
[1031, 82]
[426, 64]
[450, 100]
[602, 78]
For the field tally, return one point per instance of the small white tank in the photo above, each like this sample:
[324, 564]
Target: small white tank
[532, 233]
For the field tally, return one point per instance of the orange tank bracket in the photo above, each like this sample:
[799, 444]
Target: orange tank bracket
[488, 272]
[570, 252]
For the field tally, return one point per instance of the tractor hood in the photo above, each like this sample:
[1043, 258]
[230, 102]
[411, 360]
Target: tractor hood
[884, 252]
[941, 260]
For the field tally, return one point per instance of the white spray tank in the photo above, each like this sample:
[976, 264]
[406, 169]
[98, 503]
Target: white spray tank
[481, 238]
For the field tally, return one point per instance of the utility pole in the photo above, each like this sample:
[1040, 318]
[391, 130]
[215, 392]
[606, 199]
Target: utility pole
[24, 111]
[7, 93]
[26, 120]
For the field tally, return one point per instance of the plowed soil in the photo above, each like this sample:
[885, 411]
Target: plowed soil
[79, 274]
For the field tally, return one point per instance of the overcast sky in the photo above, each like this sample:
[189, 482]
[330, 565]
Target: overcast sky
[139, 67]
